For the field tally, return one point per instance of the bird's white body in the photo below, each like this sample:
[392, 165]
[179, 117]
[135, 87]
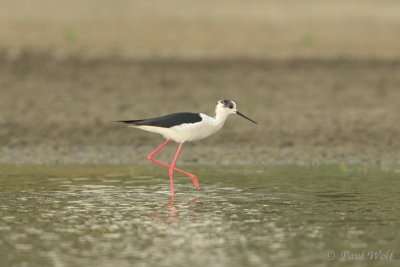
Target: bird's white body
[189, 131]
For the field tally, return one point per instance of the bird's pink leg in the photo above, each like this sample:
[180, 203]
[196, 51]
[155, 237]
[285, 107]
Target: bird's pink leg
[152, 154]
[171, 169]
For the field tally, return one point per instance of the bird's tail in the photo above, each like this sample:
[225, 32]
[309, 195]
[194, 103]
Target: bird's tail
[134, 122]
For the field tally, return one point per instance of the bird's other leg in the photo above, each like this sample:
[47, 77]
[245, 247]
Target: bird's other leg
[152, 154]
[171, 169]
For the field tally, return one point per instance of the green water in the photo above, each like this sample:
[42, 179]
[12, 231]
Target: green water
[243, 216]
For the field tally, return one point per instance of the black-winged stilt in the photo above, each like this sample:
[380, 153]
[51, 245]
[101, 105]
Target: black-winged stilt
[183, 127]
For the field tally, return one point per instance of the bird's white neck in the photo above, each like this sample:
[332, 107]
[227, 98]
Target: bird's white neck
[220, 117]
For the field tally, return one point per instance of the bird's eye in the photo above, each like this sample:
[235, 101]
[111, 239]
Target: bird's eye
[230, 106]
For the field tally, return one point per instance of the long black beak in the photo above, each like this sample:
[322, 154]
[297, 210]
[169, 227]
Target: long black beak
[244, 116]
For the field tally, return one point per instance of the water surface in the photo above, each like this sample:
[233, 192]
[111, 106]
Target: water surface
[258, 216]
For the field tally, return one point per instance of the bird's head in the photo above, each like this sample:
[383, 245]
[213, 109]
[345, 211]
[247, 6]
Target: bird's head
[228, 107]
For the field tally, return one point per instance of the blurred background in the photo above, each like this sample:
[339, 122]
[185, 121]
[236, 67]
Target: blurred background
[322, 78]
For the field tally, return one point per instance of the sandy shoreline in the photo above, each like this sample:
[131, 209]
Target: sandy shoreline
[220, 155]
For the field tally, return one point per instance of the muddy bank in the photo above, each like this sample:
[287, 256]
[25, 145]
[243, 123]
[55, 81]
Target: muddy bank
[54, 110]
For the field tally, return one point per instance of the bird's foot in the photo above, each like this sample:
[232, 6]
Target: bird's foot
[195, 182]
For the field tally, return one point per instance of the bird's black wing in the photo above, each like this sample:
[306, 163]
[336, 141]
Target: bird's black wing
[168, 121]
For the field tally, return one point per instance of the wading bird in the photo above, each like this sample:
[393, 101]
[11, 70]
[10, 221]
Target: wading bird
[184, 127]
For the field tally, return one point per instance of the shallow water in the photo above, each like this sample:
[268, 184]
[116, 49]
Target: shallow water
[123, 216]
